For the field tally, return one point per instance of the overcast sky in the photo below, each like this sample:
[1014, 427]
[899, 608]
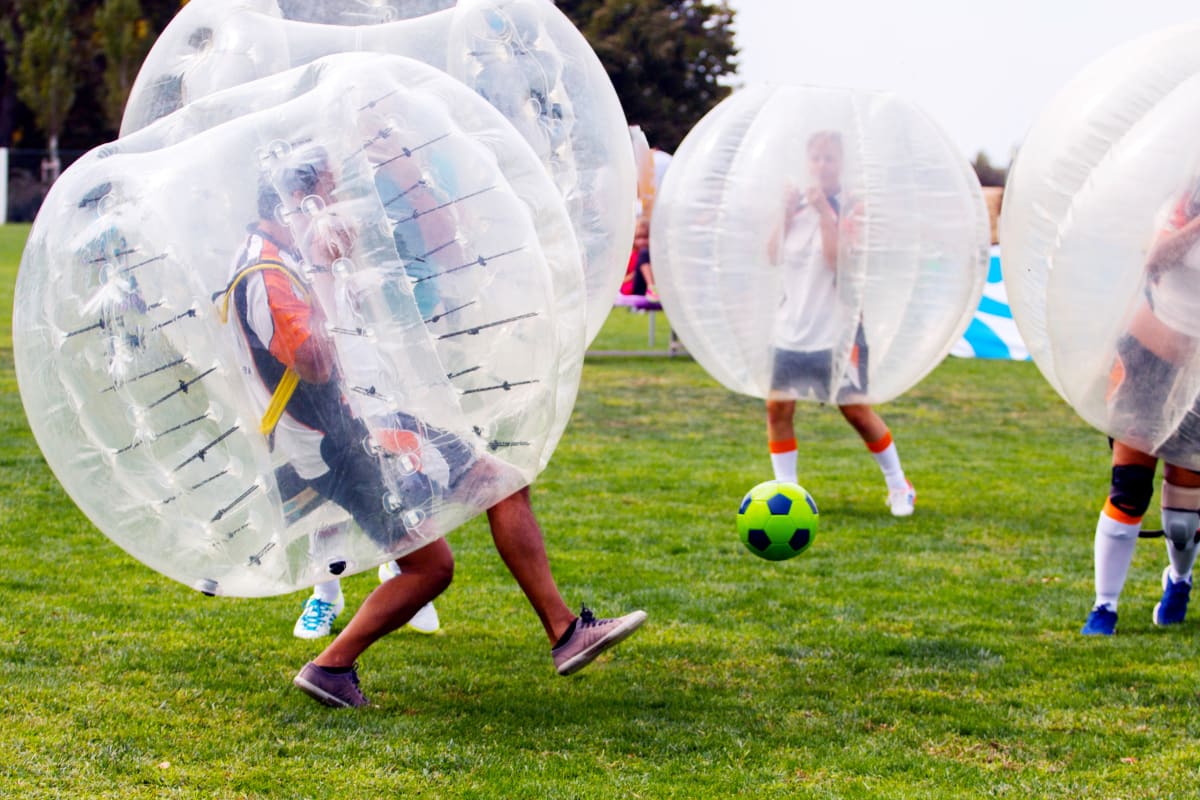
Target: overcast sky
[984, 70]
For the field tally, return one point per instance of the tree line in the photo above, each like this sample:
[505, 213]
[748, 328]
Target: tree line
[66, 66]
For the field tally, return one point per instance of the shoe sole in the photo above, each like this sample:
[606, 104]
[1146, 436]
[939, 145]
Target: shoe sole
[1159, 622]
[311, 634]
[425, 627]
[319, 694]
[619, 634]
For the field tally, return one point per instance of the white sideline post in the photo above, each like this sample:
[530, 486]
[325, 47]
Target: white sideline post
[3, 185]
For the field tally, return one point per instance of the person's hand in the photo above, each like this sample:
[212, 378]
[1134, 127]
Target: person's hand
[818, 200]
[793, 199]
[329, 238]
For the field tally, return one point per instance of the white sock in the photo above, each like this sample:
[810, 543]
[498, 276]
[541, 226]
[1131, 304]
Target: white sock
[885, 455]
[328, 591]
[784, 465]
[1182, 560]
[1115, 543]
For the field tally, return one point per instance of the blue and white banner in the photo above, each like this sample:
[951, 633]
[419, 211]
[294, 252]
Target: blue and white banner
[992, 333]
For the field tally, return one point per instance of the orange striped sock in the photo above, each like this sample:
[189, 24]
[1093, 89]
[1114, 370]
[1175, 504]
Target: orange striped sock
[883, 450]
[881, 444]
[783, 460]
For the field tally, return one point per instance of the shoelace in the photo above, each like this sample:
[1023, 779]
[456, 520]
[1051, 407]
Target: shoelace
[316, 613]
[586, 617]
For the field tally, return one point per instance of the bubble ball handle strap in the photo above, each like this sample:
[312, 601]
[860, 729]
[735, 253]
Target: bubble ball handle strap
[290, 379]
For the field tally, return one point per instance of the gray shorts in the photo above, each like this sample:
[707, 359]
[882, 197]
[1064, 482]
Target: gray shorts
[801, 375]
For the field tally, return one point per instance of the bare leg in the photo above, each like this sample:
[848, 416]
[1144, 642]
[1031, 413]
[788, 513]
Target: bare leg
[865, 420]
[1180, 476]
[518, 539]
[424, 575]
[780, 414]
[1125, 454]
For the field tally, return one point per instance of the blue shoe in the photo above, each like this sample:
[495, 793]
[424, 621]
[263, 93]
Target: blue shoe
[1102, 621]
[1173, 607]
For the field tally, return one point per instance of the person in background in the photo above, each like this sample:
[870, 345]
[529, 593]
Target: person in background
[639, 277]
[811, 321]
[1162, 336]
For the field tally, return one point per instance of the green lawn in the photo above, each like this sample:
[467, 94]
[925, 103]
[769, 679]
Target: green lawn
[931, 657]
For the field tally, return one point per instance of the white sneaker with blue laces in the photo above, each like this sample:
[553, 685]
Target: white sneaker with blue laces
[316, 620]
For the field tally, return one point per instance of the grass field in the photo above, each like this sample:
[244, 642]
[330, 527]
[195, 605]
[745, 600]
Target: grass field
[934, 657]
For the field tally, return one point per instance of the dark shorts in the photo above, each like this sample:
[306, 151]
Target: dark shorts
[356, 480]
[1139, 386]
[802, 375]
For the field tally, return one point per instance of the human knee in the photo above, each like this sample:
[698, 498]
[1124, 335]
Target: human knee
[1180, 513]
[515, 506]
[434, 563]
[856, 412]
[864, 420]
[1131, 489]
[781, 410]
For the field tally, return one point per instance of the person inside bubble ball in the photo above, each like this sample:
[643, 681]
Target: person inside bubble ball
[331, 678]
[289, 359]
[812, 319]
[1161, 338]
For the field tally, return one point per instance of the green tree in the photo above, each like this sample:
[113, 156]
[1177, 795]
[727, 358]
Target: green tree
[666, 58]
[123, 38]
[160, 12]
[41, 50]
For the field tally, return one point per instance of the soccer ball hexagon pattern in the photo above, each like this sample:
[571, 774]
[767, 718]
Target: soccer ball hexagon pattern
[777, 520]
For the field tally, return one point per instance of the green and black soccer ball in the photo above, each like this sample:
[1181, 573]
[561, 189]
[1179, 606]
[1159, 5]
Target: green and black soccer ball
[777, 520]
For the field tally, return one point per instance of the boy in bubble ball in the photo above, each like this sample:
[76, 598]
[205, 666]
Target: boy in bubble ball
[420, 576]
[1161, 340]
[811, 320]
[289, 360]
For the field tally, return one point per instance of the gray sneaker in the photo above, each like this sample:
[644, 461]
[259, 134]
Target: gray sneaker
[337, 689]
[592, 637]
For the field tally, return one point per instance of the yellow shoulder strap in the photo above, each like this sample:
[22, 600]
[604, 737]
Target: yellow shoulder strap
[279, 400]
[290, 380]
[262, 266]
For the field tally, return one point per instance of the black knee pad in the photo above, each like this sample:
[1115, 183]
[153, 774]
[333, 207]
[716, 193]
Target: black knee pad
[1132, 487]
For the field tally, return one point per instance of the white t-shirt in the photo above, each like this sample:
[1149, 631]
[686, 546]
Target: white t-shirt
[296, 442]
[811, 315]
